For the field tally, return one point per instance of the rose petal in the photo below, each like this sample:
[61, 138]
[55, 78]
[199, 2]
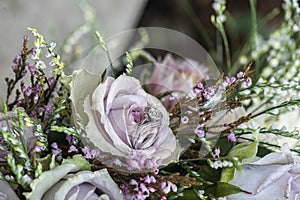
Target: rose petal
[100, 179]
[6, 192]
[82, 191]
[132, 87]
[97, 135]
[280, 158]
[80, 91]
[48, 178]
[274, 175]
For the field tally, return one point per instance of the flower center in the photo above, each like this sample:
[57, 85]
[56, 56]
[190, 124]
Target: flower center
[147, 129]
[138, 114]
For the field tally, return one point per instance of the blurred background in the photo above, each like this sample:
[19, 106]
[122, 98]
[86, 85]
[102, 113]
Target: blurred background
[73, 22]
[193, 17]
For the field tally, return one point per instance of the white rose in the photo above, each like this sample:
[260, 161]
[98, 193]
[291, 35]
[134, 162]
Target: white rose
[275, 176]
[72, 180]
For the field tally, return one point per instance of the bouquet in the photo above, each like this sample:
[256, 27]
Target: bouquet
[136, 126]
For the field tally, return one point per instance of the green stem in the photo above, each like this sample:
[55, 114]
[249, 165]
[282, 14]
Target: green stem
[226, 46]
[110, 64]
[254, 32]
[219, 49]
[189, 10]
[192, 160]
[267, 144]
[291, 102]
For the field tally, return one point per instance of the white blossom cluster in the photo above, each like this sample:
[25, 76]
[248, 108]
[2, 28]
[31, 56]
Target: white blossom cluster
[280, 55]
[220, 164]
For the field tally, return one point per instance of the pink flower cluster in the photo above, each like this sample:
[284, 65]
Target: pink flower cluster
[142, 188]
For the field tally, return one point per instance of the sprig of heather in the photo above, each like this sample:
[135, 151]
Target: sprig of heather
[22, 168]
[270, 130]
[36, 97]
[154, 186]
[73, 143]
[20, 68]
[191, 114]
[272, 143]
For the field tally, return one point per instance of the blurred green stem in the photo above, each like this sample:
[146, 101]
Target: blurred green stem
[196, 21]
[226, 46]
[254, 34]
[267, 144]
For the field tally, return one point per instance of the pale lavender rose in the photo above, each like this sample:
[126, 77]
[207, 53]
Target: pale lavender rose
[178, 75]
[73, 180]
[275, 176]
[6, 192]
[6, 125]
[129, 127]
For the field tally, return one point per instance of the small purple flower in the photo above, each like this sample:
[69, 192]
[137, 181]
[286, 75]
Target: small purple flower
[32, 70]
[247, 83]
[72, 149]
[36, 98]
[168, 186]
[29, 91]
[184, 120]
[138, 161]
[197, 90]
[133, 182]
[21, 102]
[149, 179]
[199, 131]
[26, 38]
[23, 88]
[144, 190]
[49, 108]
[89, 154]
[174, 96]
[240, 75]
[52, 81]
[217, 152]
[208, 93]
[15, 68]
[37, 149]
[200, 85]
[71, 140]
[23, 73]
[231, 137]
[17, 59]
[139, 189]
[230, 80]
[55, 149]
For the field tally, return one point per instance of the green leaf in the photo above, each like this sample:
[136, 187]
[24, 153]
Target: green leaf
[227, 174]
[79, 161]
[45, 162]
[241, 152]
[244, 150]
[225, 189]
[188, 194]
